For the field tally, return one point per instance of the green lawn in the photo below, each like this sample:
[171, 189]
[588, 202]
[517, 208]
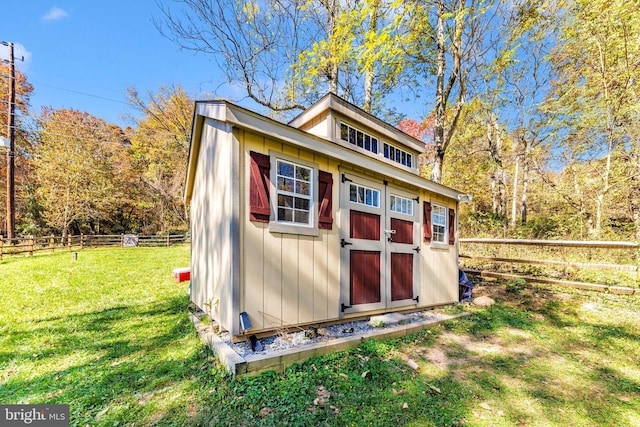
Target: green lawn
[109, 335]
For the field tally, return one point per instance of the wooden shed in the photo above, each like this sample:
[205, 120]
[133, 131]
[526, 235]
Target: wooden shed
[323, 219]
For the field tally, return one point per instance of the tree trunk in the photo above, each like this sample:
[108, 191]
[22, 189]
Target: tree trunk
[494, 137]
[438, 127]
[634, 198]
[370, 70]
[514, 201]
[332, 74]
[525, 188]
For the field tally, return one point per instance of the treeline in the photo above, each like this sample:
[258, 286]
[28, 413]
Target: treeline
[532, 106]
[76, 173]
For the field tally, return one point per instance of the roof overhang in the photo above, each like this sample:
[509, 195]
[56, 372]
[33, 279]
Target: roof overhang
[236, 116]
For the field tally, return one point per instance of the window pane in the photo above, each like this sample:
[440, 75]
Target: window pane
[301, 217]
[344, 132]
[409, 156]
[302, 188]
[367, 142]
[285, 184]
[376, 198]
[285, 169]
[360, 139]
[285, 201]
[352, 135]
[301, 203]
[374, 145]
[285, 214]
[303, 173]
[353, 193]
[361, 195]
[386, 150]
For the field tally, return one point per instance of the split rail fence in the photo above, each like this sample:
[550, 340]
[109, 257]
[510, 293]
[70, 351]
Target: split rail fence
[601, 265]
[28, 246]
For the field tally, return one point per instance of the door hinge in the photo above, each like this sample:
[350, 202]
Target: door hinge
[416, 299]
[417, 249]
[344, 243]
[344, 307]
[417, 199]
[345, 179]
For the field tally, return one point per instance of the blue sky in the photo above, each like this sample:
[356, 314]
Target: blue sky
[85, 54]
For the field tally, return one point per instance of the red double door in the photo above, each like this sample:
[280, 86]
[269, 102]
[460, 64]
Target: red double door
[379, 245]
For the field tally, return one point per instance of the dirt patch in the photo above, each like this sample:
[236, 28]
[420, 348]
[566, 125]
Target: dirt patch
[437, 357]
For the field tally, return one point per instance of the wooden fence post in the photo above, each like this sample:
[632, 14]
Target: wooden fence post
[122, 240]
[69, 241]
[31, 241]
[52, 243]
[1, 245]
[81, 240]
[168, 238]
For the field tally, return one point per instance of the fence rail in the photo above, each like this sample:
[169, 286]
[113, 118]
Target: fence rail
[28, 246]
[605, 264]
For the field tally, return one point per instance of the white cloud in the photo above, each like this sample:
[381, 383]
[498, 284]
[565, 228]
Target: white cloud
[55, 14]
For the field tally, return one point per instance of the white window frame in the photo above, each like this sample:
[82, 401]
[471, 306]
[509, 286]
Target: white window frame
[404, 202]
[444, 233]
[289, 227]
[375, 203]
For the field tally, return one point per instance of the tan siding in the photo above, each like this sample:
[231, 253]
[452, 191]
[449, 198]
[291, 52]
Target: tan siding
[320, 277]
[439, 271]
[306, 278]
[212, 245]
[290, 278]
[290, 273]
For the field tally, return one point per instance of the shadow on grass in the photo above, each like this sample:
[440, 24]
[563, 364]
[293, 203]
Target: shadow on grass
[105, 363]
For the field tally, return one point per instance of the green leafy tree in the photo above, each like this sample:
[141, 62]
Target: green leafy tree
[76, 163]
[594, 102]
[159, 149]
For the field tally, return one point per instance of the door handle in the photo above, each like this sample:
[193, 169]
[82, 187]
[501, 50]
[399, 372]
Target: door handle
[390, 234]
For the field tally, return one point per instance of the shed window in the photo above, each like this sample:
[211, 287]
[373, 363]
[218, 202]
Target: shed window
[364, 195]
[294, 192]
[358, 138]
[401, 205]
[439, 224]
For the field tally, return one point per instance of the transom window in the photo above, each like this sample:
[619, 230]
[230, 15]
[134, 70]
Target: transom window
[358, 138]
[294, 190]
[364, 195]
[397, 155]
[401, 205]
[439, 223]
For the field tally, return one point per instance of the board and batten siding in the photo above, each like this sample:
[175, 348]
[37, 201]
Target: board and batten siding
[439, 265]
[214, 230]
[287, 279]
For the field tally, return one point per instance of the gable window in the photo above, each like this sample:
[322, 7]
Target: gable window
[401, 205]
[358, 138]
[397, 155]
[294, 185]
[439, 224]
[364, 195]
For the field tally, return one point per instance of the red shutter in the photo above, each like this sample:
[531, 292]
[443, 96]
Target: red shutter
[452, 226]
[325, 211]
[259, 208]
[426, 225]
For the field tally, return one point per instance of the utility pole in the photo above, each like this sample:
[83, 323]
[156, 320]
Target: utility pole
[11, 211]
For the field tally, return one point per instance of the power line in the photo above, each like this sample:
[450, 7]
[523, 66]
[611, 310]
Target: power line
[81, 93]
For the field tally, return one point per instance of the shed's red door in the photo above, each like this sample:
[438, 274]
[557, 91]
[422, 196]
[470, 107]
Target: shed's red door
[378, 232]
